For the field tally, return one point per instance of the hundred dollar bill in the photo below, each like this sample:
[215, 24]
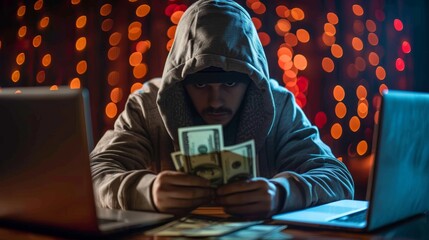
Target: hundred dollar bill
[201, 147]
[239, 161]
[179, 161]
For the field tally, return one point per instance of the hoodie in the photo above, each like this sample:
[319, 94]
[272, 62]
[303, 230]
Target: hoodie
[290, 153]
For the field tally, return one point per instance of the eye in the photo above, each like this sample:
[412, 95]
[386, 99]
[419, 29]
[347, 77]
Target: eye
[200, 85]
[230, 84]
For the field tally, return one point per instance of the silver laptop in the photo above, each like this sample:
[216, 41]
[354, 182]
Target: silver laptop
[399, 180]
[45, 178]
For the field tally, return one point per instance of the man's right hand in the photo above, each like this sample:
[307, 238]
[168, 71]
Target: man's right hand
[179, 193]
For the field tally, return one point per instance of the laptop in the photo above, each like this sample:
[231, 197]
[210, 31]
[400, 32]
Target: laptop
[399, 180]
[45, 178]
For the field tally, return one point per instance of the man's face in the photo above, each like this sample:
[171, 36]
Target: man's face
[217, 103]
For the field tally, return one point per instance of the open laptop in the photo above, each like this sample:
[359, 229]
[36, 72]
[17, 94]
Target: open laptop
[399, 180]
[45, 178]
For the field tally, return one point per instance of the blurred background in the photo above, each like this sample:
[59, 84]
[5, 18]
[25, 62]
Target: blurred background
[337, 57]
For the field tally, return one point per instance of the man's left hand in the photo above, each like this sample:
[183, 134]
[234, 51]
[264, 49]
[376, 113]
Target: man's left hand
[255, 198]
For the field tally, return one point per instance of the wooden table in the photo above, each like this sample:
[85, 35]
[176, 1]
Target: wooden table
[413, 228]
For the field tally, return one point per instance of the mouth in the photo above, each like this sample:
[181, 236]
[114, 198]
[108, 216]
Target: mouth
[217, 117]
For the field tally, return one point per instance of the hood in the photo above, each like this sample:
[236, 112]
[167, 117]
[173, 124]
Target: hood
[217, 33]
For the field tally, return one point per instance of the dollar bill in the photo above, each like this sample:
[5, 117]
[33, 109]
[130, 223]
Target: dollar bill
[201, 147]
[239, 162]
[179, 161]
[202, 153]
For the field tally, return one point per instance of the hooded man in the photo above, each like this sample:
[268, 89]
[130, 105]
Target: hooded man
[216, 73]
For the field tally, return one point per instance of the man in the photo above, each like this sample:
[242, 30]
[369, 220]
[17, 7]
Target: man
[216, 73]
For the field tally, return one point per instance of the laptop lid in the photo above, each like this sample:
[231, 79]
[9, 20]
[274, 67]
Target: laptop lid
[45, 176]
[399, 180]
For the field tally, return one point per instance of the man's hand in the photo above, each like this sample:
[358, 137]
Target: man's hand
[179, 193]
[255, 198]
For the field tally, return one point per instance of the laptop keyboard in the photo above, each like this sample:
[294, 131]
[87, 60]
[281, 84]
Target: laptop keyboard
[105, 220]
[357, 217]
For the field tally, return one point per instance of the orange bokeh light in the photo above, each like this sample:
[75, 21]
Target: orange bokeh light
[361, 92]
[37, 40]
[328, 65]
[300, 62]
[354, 124]
[81, 21]
[330, 29]
[357, 10]
[81, 43]
[81, 67]
[135, 58]
[176, 16]
[111, 110]
[340, 110]
[75, 83]
[113, 53]
[115, 38]
[339, 93]
[22, 31]
[116, 95]
[373, 39]
[40, 77]
[336, 131]
[380, 73]
[113, 78]
[332, 18]
[20, 58]
[357, 44]
[362, 147]
[303, 35]
[336, 50]
[373, 59]
[282, 11]
[106, 9]
[46, 60]
[107, 24]
[297, 14]
[21, 11]
[142, 10]
[44, 22]
[140, 70]
[136, 86]
[291, 39]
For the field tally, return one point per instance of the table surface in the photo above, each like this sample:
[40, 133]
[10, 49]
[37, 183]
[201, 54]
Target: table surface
[413, 228]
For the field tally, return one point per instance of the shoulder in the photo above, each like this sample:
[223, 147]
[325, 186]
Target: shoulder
[280, 93]
[146, 96]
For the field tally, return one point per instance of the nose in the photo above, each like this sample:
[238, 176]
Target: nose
[215, 96]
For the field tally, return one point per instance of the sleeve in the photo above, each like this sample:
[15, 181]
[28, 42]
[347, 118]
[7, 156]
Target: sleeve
[308, 172]
[120, 162]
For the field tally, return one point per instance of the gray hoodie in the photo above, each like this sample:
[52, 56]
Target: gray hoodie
[217, 33]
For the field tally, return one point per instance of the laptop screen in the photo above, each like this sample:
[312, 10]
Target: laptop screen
[399, 180]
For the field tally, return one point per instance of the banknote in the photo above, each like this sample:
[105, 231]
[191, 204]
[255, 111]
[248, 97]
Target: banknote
[179, 161]
[202, 153]
[238, 162]
[201, 147]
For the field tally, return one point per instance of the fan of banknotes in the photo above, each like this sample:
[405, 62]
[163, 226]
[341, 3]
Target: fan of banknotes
[202, 153]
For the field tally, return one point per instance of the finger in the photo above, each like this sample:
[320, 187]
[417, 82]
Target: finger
[182, 179]
[189, 192]
[240, 186]
[241, 198]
